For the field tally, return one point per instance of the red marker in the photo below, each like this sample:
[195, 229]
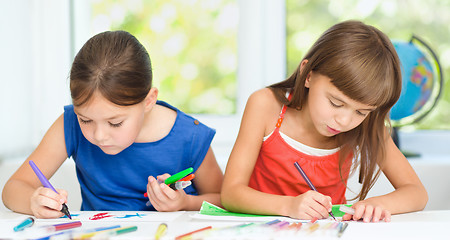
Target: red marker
[188, 178]
[63, 226]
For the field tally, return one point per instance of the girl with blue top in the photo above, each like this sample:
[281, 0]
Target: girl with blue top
[120, 137]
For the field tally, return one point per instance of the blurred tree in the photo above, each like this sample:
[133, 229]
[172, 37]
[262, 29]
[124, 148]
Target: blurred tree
[192, 45]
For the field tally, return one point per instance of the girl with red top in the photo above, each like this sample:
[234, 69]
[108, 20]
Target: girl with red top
[334, 110]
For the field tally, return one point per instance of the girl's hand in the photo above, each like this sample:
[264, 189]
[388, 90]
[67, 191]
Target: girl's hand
[162, 197]
[368, 212]
[310, 205]
[45, 203]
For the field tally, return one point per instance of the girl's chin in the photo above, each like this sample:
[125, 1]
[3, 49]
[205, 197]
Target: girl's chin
[110, 150]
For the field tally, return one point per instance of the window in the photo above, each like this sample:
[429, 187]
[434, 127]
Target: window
[192, 45]
[208, 56]
[306, 20]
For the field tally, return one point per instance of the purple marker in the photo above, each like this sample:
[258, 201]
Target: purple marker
[300, 170]
[47, 184]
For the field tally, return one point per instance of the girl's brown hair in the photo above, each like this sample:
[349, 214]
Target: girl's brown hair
[362, 63]
[114, 64]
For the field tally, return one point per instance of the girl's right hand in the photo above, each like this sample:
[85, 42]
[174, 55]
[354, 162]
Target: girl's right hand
[310, 205]
[45, 203]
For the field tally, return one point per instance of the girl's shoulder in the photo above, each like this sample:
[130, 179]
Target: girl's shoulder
[264, 108]
[265, 100]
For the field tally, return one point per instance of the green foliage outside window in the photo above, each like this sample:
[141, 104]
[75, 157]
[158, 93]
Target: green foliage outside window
[307, 19]
[192, 45]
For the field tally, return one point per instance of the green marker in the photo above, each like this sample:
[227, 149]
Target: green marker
[114, 232]
[178, 176]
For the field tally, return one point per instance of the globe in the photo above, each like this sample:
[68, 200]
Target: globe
[421, 85]
[421, 82]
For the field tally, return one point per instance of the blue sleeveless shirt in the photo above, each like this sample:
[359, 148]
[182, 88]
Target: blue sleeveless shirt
[118, 182]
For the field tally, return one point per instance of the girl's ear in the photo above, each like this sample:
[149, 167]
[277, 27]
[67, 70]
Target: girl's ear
[302, 67]
[151, 98]
[308, 80]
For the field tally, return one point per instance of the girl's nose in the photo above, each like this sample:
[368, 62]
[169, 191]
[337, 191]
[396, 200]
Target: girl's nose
[99, 134]
[343, 119]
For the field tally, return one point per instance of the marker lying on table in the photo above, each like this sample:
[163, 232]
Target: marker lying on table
[300, 170]
[187, 235]
[114, 232]
[162, 228]
[47, 184]
[342, 229]
[73, 234]
[26, 223]
[62, 226]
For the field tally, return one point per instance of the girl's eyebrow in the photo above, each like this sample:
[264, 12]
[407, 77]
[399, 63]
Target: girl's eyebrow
[344, 102]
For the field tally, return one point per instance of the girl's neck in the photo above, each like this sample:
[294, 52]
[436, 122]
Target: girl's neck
[158, 123]
[306, 132]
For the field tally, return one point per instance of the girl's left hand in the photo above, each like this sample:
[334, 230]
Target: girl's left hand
[368, 212]
[162, 197]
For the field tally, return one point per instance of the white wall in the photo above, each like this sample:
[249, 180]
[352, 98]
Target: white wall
[35, 63]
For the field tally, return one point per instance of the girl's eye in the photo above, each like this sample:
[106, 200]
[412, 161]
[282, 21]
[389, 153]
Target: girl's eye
[116, 124]
[361, 114]
[85, 121]
[334, 104]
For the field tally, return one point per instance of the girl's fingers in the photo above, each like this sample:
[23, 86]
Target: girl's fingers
[359, 211]
[322, 205]
[386, 215]
[368, 213]
[347, 217]
[48, 198]
[44, 212]
[50, 194]
[163, 177]
[63, 193]
[377, 214]
[169, 192]
[48, 203]
[45, 203]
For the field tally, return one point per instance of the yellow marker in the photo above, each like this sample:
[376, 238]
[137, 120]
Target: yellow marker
[313, 227]
[162, 228]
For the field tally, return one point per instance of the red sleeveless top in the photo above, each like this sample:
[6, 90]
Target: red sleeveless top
[275, 172]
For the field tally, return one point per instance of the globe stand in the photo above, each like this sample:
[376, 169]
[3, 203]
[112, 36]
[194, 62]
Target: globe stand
[407, 154]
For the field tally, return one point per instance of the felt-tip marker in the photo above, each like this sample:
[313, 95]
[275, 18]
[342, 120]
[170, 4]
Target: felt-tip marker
[305, 177]
[178, 176]
[342, 229]
[26, 223]
[47, 184]
[346, 209]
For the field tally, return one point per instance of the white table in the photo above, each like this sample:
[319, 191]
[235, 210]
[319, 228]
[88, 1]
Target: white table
[418, 225]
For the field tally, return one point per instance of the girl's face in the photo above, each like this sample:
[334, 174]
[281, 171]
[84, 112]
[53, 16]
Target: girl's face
[331, 111]
[109, 126]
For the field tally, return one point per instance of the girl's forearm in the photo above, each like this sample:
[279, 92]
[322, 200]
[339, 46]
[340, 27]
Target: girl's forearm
[408, 198]
[247, 200]
[16, 196]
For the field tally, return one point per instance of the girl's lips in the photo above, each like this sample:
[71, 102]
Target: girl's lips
[332, 130]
